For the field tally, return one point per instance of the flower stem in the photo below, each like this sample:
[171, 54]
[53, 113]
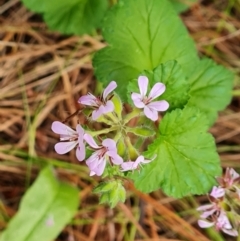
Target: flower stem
[113, 117]
[104, 131]
[131, 115]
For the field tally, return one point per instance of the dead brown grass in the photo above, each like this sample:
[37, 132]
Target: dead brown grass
[42, 74]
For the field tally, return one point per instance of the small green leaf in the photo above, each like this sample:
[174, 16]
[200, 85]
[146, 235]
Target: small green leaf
[211, 88]
[186, 158]
[45, 209]
[141, 35]
[141, 131]
[112, 192]
[171, 74]
[70, 17]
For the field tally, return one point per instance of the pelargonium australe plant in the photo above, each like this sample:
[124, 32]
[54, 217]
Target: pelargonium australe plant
[161, 141]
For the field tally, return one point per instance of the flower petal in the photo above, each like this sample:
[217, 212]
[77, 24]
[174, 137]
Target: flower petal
[81, 152]
[110, 144]
[62, 129]
[88, 99]
[116, 159]
[64, 147]
[108, 107]
[99, 168]
[127, 166]
[112, 86]
[91, 142]
[205, 224]
[217, 192]
[80, 130]
[150, 113]
[161, 105]
[157, 90]
[136, 96]
[138, 104]
[231, 232]
[205, 207]
[97, 113]
[143, 85]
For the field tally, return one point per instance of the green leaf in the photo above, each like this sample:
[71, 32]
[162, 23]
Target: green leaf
[72, 16]
[45, 209]
[171, 74]
[211, 88]
[141, 131]
[141, 35]
[186, 159]
[182, 5]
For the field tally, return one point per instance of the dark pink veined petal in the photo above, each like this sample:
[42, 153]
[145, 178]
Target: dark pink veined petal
[62, 129]
[93, 160]
[217, 192]
[96, 114]
[161, 105]
[80, 130]
[208, 213]
[91, 142]
[127, 166]
[81, 152]
[100, 168]
[139, 103]
[116, 159]
[205, 207]
[143, 85]
[233, 174]
[108, 107]
[88, 99]
[150, 113]
[112, 86]
[205, 224]
[157, 90]
[110, 144]
[64, 147]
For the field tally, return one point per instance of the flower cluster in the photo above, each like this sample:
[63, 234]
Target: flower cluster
[222, 212]
[105, 152]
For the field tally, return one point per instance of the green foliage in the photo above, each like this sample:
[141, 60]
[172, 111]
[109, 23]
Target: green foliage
[111, 192]
[45, 209]
[186, 160]
[171, 74]
[211, 88]
[142, 131]
[141, 35]
[72, 16]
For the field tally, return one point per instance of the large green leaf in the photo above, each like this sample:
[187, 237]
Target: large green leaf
[186, 159]
[211, 88]
[45, 209]
[72, 16]
[141, 35]
[171, 74]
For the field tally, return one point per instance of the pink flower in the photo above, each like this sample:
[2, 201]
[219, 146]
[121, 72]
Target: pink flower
[220, 222]
[208, 209]
[70, 139]
[97, 161]
[142, 101]
[102, 104]
[127, 166]
[231, 177]
[217, 192]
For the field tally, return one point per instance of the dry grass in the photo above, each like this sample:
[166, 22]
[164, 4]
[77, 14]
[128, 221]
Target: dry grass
[42, 75]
